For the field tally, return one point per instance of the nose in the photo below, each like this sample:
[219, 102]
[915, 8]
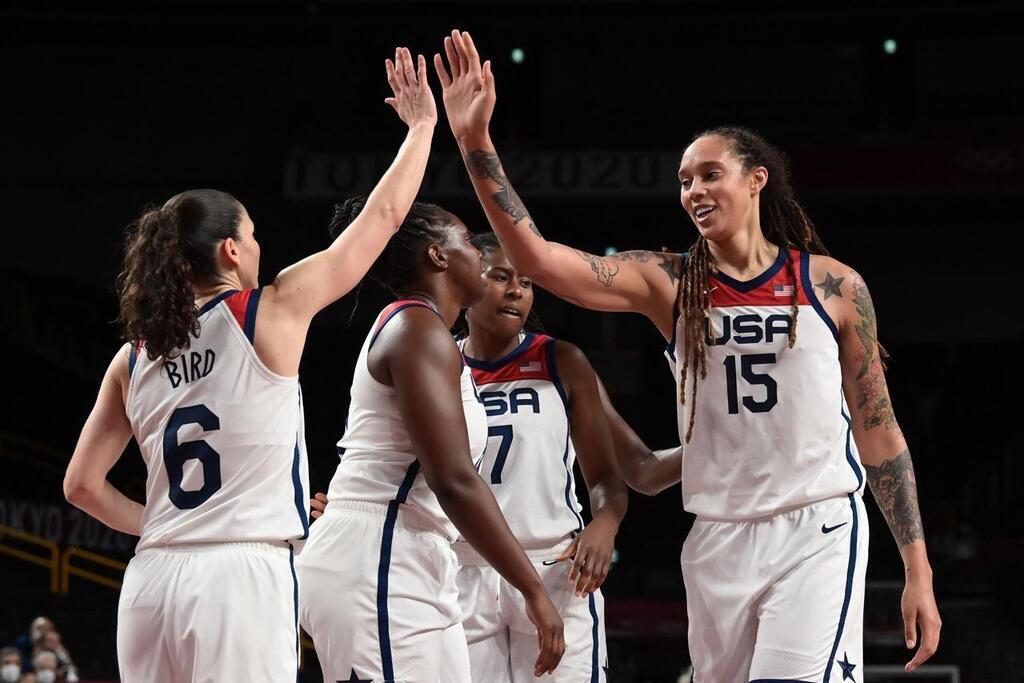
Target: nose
[697, 191]
[514, 290]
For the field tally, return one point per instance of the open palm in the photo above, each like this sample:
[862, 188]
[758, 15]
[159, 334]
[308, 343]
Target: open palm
[468, 92]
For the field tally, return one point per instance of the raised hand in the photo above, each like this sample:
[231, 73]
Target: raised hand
[468, 92]
[413, 100]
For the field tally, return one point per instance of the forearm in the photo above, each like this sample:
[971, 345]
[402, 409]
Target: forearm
[894, 488]
[471, 507]
[108, 505]
[505, 211]
[658, 470]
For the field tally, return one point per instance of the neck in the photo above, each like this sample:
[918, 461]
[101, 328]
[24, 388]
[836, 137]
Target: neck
[485, 346]
[207, 290]
[444, 304]
[743, 253]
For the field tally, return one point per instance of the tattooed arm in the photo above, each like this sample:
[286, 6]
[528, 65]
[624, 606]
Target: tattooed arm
[883, 450]
[642, 282]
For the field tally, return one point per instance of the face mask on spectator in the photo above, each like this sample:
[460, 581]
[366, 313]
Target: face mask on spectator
[10, 673]
[46, 676]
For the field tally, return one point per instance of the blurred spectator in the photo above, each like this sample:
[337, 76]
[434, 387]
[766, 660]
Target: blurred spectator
[51, 641]
[28, 642]
[44, 664]
[10, 665]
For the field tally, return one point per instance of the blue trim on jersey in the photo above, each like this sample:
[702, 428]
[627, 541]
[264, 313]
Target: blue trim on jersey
[849, 445]
[492, 365]
[300, 495]
[216, 300]
[595, 661]
[411, 304]
[295, 602]
[749, 285]
[133, 356]
[387, 536]
[779, 680]
[250, 315]
[805, 282]
[849, 588]
[549, 350]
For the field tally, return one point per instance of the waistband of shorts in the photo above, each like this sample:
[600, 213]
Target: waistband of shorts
[409, 518]
[273, 547]
[782, 510]
[468, 555]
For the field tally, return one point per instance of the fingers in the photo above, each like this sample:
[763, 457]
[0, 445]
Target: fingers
[570, 551]
[551, 644]
[389, 68]
[460, 51]
[930, 627]
[421, 71]
[487, 75]
[442, 73]
[910, 626]
[453, 58]
[408, 70]
[470, 50]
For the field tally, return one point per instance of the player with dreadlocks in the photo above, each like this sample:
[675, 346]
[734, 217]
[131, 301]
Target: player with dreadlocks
[779, 422]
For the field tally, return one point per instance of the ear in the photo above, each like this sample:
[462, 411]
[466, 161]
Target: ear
[758, 179]
[437, 256]
[228, 255]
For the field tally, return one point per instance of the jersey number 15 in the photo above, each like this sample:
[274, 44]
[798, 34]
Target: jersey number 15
[752, 377]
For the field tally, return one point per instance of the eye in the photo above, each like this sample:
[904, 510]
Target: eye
[501, 277]
[525, 284]
[713, 174]
[685, 182]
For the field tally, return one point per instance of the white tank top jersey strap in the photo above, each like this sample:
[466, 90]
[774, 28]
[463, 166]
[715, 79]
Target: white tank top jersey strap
[222, 436]
[772, 430]
[529, 458]
[378, 460]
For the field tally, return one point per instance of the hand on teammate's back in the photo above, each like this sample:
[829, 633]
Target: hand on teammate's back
[468, 92]
[413, 100]
[317, 505]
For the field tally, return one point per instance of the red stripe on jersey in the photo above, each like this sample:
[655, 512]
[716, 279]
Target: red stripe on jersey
[775, 291]
[530, 363]
[391, 308]
[237, 303]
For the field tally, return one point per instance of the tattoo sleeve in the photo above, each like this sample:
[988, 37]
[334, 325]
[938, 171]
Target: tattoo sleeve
[895, 490]
[872, 396]
[667, 262]
[487, 165]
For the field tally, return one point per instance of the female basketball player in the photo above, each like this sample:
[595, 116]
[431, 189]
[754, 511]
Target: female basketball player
[774, 565]
[207, 385]
[378, 574]
[538, 392]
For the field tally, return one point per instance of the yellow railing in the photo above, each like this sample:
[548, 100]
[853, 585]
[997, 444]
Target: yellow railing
[66, 570]
[51, 561]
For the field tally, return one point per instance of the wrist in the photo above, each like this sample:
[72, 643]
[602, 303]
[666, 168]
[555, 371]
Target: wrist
[422, 126]
[471, 141]
[915, 561]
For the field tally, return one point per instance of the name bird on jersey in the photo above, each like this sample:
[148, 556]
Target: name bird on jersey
[772, 429]
[222, 436]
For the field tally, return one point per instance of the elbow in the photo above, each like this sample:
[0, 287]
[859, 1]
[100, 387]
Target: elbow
[77, 490]
[455, 489]
[392, 216]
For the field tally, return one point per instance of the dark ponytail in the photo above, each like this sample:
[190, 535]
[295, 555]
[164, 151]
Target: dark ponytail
[167, 250]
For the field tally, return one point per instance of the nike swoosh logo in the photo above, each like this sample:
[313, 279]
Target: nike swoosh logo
[548, 563]
[830, 529]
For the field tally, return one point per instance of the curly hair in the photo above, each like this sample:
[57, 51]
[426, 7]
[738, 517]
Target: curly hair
[167, 250]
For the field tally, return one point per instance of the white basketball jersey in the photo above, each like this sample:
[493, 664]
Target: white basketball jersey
[222, 436]
[378, 459]
[529, 457]
[772, 429]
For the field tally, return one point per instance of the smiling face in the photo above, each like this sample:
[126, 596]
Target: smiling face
[719, 195]
[508, 298]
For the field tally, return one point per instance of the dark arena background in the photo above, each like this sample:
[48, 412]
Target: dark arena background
[903, 121]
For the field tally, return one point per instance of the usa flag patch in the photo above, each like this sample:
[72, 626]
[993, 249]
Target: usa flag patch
[783, 290]
[532, 366]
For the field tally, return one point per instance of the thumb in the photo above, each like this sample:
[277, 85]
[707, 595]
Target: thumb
[570, 551]
[910, 627]
[392, 101]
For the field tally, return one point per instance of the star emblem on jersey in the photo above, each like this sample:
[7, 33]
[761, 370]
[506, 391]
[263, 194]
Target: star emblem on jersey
[847, 668]
[354, 678]
[830, 285]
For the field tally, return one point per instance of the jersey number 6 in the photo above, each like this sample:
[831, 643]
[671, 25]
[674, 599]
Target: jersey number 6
[747, 363]
[177, 454]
